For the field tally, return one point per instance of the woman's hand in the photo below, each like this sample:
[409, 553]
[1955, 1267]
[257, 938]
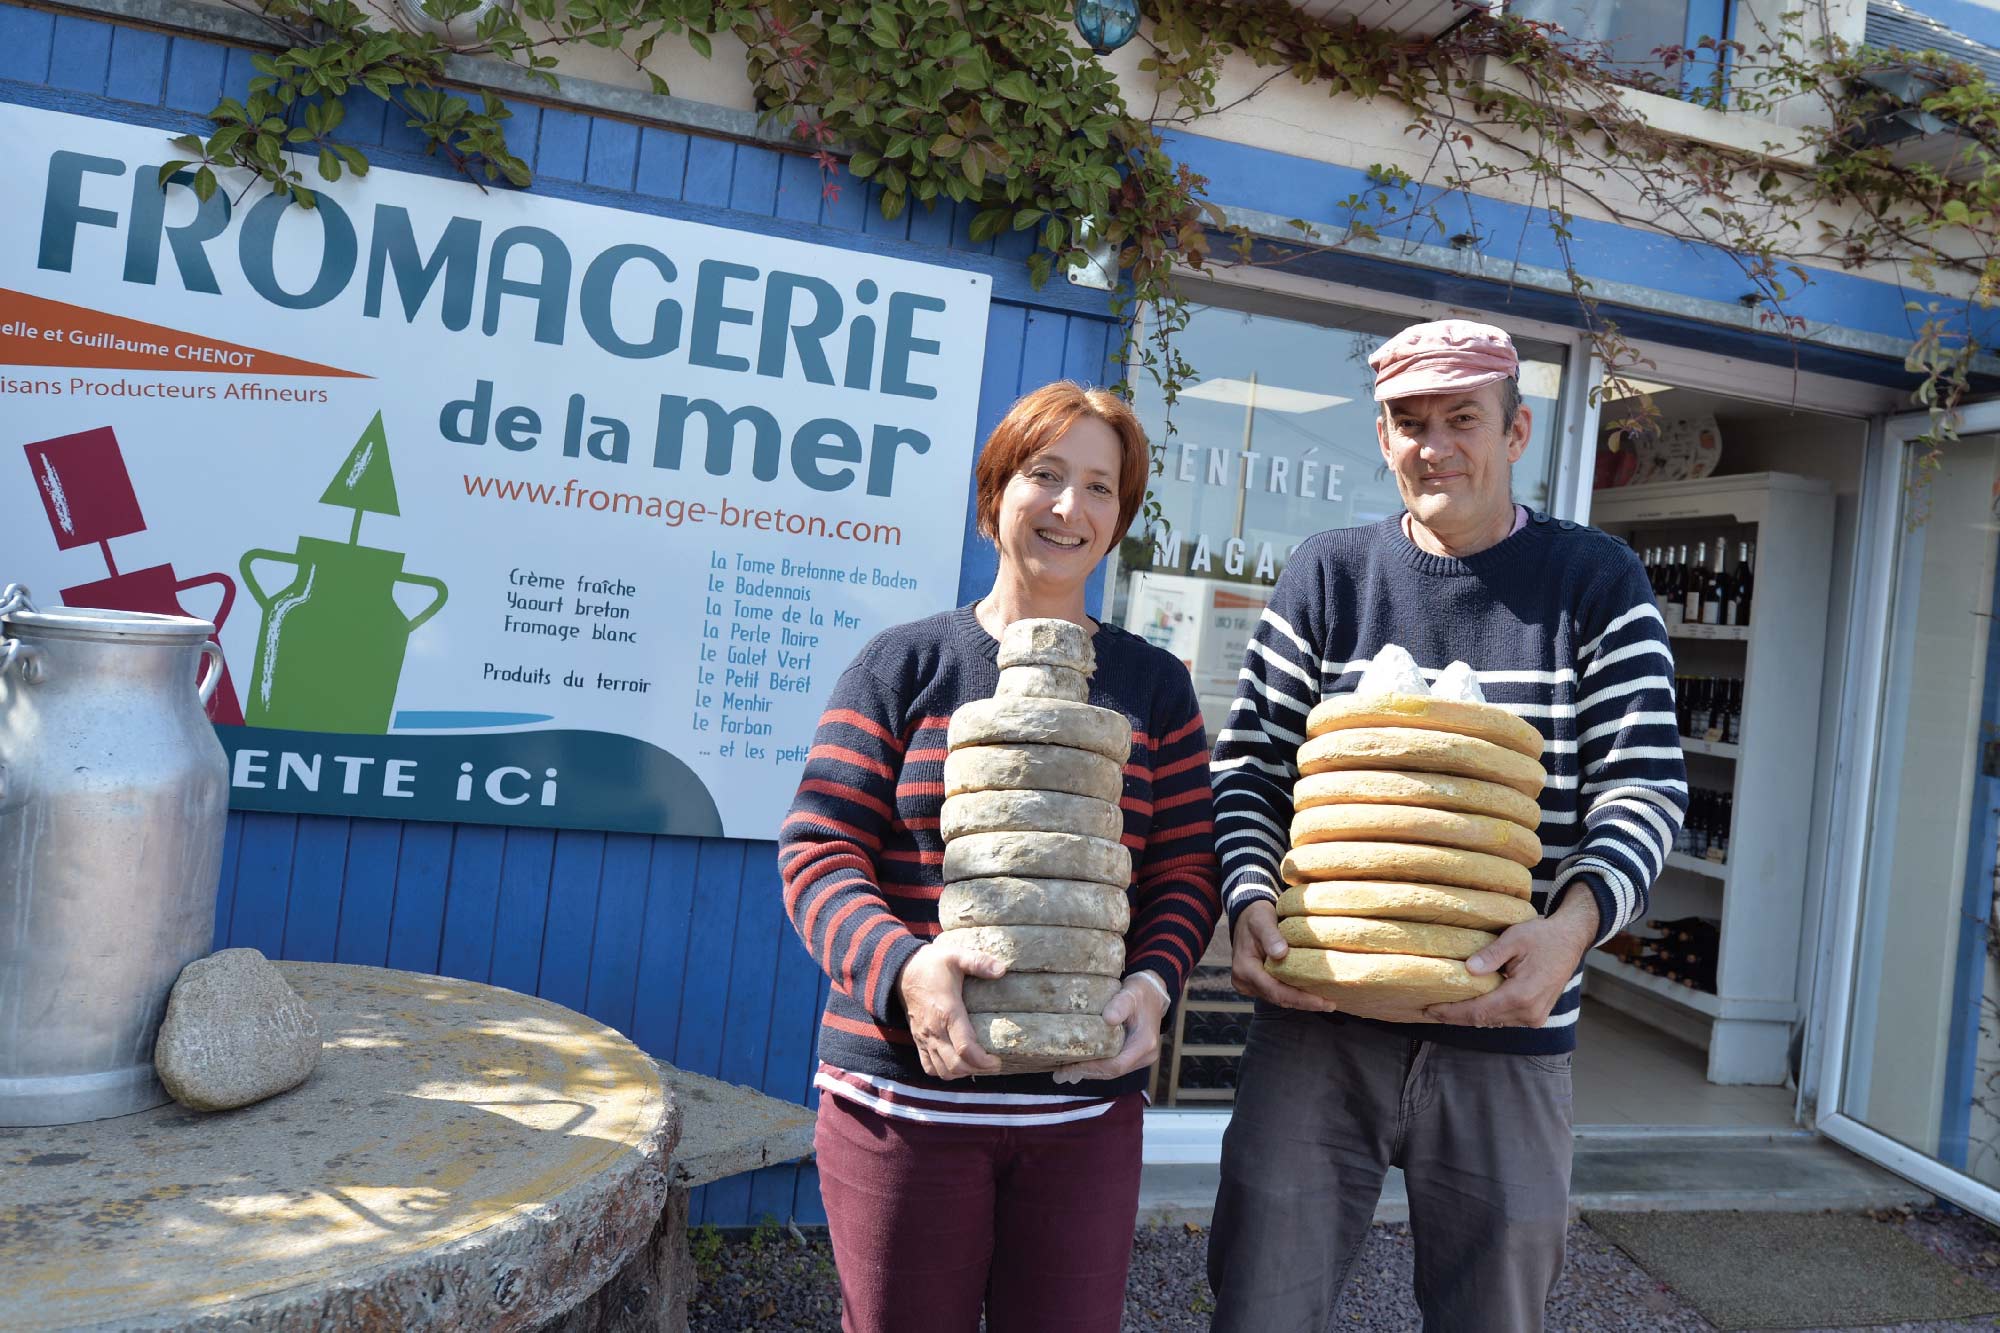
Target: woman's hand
[1140, 1004]
[933, 991]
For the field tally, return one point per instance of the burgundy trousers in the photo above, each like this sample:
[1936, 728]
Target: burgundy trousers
[931, 1222]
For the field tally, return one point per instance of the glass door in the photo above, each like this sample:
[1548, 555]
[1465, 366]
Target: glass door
[1913, 1078]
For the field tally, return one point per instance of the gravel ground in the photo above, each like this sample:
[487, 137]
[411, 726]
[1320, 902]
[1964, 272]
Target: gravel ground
[776, 1280]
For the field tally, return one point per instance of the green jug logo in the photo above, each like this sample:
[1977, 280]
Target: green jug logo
[331, 647]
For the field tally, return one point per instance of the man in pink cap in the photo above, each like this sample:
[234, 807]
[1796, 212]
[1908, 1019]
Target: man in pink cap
[1558, 624]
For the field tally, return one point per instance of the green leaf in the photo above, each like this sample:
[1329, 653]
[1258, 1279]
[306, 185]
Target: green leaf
[988, 224]
[699, 43]
[329, 165]
[863, 163]
[1956, 212]
[204, 184]
[1015, 87]
[167, 170]
[893, 204]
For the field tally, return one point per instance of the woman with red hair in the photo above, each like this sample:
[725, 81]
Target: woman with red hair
[949, 1188]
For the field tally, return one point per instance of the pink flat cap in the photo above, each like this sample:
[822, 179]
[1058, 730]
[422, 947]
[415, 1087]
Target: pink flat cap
[1440, 357]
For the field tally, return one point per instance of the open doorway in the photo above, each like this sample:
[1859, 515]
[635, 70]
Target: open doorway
[1745, 514]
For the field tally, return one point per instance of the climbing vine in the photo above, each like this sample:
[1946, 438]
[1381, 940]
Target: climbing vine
[994, 105]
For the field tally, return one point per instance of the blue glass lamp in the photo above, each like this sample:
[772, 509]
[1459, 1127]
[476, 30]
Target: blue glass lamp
[1107, 24]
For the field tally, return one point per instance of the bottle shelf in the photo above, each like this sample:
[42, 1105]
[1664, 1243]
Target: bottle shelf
[1694, 865]
[1679, 992]
[1731, 633]
[1763, 797]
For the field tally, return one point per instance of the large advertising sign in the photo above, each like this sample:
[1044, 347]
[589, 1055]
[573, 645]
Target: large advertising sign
[509, 509]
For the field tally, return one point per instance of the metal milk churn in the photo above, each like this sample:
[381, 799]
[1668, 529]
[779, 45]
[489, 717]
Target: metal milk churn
[114, 792]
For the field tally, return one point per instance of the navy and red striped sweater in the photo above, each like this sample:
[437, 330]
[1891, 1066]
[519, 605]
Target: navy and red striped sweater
[862, 860]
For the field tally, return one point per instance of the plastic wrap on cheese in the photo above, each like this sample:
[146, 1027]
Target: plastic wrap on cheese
[1393, 671]
[1458, 681]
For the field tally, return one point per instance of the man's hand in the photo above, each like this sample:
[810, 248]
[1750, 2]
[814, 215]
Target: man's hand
[933, 991]
[1139, 1005]
[1255, 939]
[1537, 959]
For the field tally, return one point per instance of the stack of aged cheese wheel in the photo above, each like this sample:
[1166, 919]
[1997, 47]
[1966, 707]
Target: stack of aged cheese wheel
[1413, 842]
[1034, 871]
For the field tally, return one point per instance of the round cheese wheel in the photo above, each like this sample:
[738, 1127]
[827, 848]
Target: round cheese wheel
[1028, 812]
[1045, 641]
[1488, 722]
[1037, 856]
[1041, 722]
[1045, 948]
[1043, 682]
[1388, 900]
[1358, 934]
[1040, 993]
[1402, 861]
[1409, 823]
[1033, 768]
[1433, 791]
[1027, 1043]
[1423, 751]
[1393, 987]
[1010, 901]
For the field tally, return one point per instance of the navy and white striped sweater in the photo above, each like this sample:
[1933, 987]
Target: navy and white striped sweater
[1558, 620]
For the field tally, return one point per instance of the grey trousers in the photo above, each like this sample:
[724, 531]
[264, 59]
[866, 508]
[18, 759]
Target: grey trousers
[1324, 1106]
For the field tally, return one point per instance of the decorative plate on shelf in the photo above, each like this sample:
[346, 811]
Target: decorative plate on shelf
[1617, 464]
[1707, 446]
[1676, 451]
[1644, 440]
[1688, 449]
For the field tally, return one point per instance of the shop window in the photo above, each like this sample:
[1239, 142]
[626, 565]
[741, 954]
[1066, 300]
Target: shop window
[1632, 33]
[1274, 442]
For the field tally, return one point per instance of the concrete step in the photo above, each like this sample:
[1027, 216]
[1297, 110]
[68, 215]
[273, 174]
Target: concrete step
[1633, 1170]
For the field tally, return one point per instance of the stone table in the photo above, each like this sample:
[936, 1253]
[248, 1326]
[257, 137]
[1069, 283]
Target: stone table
[464, 1158]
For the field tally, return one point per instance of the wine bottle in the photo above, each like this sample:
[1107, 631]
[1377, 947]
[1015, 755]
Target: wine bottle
[1691, 594]
[1676, 585]
[1744, 554]
[1715, 590]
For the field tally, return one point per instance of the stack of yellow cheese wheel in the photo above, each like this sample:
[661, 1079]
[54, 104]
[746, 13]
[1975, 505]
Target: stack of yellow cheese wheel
[1035, 867]
[1412, 845]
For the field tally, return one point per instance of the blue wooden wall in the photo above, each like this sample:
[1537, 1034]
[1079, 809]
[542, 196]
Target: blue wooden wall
[681, 943]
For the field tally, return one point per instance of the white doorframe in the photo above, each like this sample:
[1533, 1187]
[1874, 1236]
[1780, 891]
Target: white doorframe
[1878, 549]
